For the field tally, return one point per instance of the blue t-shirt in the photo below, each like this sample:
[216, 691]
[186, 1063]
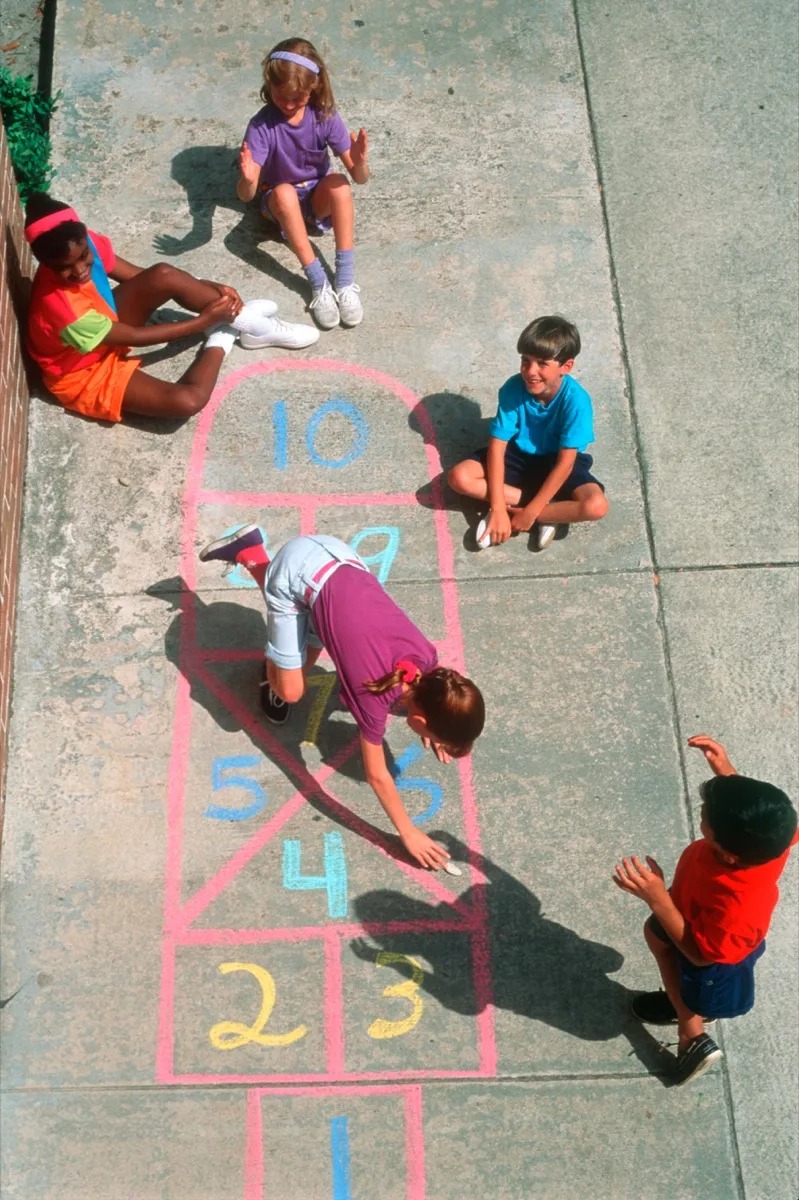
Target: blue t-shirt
[567, 422]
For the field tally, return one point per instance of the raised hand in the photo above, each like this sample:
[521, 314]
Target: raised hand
[645, 882]
[247, 164]
[359, 148]
[714, 752]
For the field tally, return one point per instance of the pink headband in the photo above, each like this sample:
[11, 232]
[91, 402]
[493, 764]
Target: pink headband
[45, 224]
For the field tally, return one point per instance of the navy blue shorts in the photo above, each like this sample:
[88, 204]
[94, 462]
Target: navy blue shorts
[528, 471]
[719, 989]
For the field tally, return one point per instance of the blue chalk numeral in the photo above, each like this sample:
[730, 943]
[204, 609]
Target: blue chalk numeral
[280, 425]
[382, 559]
[354, 415]
[219, 780]
[334, 880]
[340, 1156]
[408, 783]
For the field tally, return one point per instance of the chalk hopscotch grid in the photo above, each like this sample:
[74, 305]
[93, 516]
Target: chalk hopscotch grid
[469, 919]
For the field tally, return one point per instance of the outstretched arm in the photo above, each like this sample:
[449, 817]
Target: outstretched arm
[355, 159]
[714, 752]
[426, 852]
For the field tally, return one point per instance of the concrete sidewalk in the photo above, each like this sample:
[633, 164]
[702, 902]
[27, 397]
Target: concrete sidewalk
[192, 1012]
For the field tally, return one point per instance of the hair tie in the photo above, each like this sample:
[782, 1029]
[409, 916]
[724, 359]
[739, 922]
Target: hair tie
[299, 59]
[45, 224]
[408, 670]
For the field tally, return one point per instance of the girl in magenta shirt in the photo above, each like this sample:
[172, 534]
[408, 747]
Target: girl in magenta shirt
[320, 594]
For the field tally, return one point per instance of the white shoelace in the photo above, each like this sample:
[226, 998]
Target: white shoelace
[323, 297]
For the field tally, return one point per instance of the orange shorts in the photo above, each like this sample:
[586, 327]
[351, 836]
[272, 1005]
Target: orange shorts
[97, 390]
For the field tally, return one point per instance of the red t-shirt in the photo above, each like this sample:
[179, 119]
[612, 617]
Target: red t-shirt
[67, 322]
[727, 909]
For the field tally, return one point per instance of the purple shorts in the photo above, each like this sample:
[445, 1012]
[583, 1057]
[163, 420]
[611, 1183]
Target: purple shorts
[528, 471]
[304, 192]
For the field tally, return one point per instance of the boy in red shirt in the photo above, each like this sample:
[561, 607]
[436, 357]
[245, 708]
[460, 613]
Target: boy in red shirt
[708, 930]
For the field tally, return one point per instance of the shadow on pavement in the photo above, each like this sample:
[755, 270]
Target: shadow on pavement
[540, 969]
[207, 173]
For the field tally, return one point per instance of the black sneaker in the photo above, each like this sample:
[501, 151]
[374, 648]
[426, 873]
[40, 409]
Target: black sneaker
[275, 709]
[700, 1054]
[655, 1008]
[227, 548]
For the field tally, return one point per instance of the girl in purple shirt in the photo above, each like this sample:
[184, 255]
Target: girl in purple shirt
[284, 159]
[319, 594]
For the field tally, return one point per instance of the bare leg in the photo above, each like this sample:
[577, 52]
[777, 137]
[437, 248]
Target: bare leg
[689, 1024]
[149, 397]
[333, 198]
[469, 479]
[137, 298]
[587, 503]
[284, 205]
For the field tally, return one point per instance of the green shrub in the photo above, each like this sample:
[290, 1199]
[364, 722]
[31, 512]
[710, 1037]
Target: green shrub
[26, 115]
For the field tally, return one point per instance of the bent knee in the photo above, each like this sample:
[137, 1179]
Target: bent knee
[187, 401]
[283, 199]
[595, 506]
[457, 476]
[337, 182]
[160, 276]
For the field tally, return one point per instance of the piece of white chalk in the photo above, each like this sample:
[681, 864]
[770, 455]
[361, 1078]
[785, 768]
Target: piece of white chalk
[451, 869]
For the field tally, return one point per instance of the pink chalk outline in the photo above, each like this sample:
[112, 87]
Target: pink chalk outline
[415, 1188]
[179, 915]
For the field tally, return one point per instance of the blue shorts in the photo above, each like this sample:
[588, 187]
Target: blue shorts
[528, 471]
[719, 989]
[305, 193]
[293, 580]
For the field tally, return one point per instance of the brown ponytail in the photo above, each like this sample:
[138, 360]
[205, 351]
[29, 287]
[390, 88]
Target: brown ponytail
[451, 704]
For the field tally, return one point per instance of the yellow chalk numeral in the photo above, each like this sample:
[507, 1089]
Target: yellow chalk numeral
[408, 989]
[323, 686]
[227, 1035]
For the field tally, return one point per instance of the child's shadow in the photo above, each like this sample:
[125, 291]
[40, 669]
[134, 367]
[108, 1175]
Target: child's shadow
[539, 969]
[455, 425]
[208, 174]
[236, 627]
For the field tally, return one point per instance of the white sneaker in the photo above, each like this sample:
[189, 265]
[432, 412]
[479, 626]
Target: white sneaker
[223, 337]
[349, 305]
[545, 535]
[324, 307]
[482, 538]
[254, 317]
[274, 332]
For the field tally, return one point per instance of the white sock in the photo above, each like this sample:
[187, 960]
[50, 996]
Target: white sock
[223, 337]
[255, 317]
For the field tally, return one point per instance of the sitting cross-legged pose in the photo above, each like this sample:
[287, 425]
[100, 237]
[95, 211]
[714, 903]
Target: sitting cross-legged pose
[80, 329]
[320, 594]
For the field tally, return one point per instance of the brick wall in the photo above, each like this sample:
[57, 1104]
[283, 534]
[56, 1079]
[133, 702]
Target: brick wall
[15, 273]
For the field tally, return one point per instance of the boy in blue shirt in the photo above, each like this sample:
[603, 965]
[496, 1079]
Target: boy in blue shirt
[535, 470]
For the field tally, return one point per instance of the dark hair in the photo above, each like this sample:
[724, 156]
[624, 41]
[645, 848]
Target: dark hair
[279, 73]
[550, 337]
[54, 244]
[753, 820]
[451, 704]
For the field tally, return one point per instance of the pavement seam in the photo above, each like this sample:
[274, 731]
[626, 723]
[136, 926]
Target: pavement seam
[640, 464]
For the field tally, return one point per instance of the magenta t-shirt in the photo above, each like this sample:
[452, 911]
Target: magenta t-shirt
[294, 153]
[366, 633]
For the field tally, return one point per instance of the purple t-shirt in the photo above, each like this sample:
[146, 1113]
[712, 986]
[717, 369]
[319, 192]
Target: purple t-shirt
[366, 633]
[294, 153]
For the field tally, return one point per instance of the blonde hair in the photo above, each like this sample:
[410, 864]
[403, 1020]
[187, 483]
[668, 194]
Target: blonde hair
[452, 706]
[280, 73]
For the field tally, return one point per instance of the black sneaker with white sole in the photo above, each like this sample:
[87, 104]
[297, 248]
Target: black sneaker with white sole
[275, 709]
[697, 1057]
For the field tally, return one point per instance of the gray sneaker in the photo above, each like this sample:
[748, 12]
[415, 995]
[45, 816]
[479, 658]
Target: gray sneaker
[324, 307]
[349, 305]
